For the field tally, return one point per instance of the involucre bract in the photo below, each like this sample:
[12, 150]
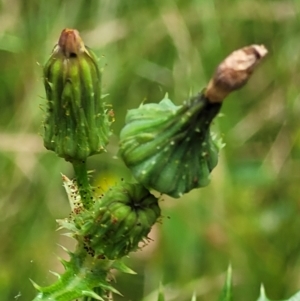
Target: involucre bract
[170, 148]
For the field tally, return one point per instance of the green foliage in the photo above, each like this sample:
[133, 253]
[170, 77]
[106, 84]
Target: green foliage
[227, 294]
[263, 296]
[82, 274]
[161, 296]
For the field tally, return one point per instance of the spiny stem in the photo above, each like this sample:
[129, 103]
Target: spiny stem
[84, 187]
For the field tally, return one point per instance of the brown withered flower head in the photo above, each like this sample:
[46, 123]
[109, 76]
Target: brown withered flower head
[70, 43]
[234, 72]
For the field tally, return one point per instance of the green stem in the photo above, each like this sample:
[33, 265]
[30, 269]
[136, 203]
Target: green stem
[84, 187]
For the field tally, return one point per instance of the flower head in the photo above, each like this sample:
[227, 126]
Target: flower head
[170, 148]
[118, 221]
[76, 125]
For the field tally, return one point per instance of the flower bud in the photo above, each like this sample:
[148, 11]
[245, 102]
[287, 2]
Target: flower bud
[234, 72]
[117, 222]
[169, 148]
[76, 125]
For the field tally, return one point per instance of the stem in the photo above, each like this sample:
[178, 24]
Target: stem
[83, 183]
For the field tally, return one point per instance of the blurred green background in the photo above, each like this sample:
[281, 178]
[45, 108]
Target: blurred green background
[248, 216]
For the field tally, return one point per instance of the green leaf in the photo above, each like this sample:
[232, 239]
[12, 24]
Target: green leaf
[83, 273]
[263, 296]
[226, 294]
[120, 266]
[194, 297]
[161, 296]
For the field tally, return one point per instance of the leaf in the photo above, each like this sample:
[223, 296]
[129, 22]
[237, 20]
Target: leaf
[194, 297]
[82, 275]
[161, 296]
[226, 294]
[263, 296]
[120, 266]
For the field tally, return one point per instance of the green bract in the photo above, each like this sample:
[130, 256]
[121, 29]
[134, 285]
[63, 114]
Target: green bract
[76, 124]
[169, 148]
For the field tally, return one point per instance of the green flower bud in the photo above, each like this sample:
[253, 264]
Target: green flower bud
[169, 148]
[76, 125]
[117, 222]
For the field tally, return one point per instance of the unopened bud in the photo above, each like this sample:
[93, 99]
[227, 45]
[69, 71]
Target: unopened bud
[117, 222]
[234, 72]
[70, 43]
[76, 125]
